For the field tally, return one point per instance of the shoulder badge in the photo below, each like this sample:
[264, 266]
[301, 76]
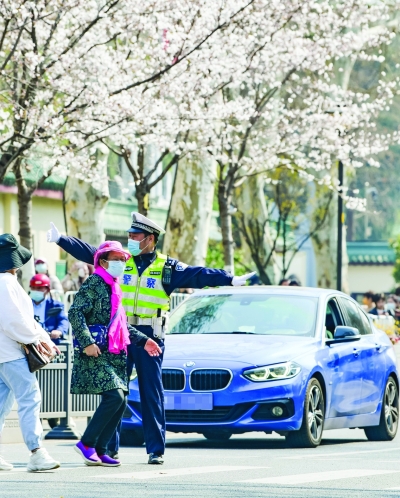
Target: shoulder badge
[181, 266]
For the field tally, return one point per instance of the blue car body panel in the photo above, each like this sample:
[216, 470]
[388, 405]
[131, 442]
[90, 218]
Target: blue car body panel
[353, 375]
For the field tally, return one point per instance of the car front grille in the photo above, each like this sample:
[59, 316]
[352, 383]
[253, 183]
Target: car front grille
[217, 414]
[173, 379]
[210, 380]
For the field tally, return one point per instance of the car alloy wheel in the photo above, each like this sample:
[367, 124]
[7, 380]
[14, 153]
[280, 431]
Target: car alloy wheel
[310, 433]
[389, 421]
[315, 412]
[391, 407]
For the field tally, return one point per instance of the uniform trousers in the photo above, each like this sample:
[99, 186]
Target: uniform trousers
[149, 372]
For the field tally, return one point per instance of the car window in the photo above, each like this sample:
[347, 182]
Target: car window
[366, 323]
[247, 313]
[353, 314]
[333, 318]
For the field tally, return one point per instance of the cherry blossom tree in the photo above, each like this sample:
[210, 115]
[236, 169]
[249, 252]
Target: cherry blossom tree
[277, 111]
[72, 71]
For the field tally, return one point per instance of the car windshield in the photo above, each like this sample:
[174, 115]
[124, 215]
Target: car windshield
[262, 314]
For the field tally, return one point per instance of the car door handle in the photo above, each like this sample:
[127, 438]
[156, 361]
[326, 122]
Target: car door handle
[378, 347]
[356, 352]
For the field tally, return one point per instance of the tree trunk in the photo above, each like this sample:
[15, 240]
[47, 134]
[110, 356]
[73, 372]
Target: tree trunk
[85, 204]
[225, 214]
[325, 241]
[251, 203]
[189, 218]
[142, 198]
[24, 197]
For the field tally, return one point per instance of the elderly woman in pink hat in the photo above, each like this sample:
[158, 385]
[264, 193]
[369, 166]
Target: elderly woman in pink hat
[101, 337]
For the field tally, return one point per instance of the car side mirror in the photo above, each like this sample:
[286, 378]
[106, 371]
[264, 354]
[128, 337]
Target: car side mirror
[344, 334]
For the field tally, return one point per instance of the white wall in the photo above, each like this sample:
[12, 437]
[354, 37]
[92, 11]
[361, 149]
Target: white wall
[44, 211]
[363, 278]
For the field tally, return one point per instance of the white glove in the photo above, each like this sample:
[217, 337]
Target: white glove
[53, 235]
[237, 281]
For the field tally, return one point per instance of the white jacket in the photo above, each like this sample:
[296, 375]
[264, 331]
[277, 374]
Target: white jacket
[17, 323]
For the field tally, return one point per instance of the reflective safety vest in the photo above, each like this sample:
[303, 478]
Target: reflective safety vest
[143, 296]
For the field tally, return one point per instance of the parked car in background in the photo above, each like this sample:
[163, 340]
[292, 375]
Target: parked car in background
[296, 361]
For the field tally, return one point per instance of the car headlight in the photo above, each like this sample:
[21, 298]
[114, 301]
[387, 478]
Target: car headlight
[133, 374]
[274, 372]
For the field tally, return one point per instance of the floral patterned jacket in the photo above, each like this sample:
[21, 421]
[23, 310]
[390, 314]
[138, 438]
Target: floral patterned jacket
[90, 375]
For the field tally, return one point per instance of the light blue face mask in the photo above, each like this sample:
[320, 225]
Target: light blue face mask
[134, 246]
[116, 268]
[37, 296]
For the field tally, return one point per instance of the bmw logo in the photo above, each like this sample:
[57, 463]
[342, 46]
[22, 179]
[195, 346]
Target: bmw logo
[189, 364]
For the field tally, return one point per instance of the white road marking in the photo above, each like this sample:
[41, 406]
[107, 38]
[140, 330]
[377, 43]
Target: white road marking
[23, 469]
[318, 454]
[187, 471]
[320, 476]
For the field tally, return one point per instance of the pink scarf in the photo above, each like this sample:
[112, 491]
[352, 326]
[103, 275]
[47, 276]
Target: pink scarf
[118, 334]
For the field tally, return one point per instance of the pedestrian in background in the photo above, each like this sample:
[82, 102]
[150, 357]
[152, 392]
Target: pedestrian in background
[42, 267]
[368, 302]
[17, 326]
[97, 371]
[48, 312]
[75, 277]
[380, 301]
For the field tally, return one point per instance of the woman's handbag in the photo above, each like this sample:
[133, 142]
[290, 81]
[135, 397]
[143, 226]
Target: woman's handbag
[36, 359]
[99, 334]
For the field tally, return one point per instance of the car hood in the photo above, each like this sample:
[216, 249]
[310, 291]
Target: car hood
[249, 349]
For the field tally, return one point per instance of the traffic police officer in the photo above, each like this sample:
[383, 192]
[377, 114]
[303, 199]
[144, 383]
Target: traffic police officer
[149, 279]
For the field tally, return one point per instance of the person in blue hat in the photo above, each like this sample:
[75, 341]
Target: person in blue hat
[148, 281]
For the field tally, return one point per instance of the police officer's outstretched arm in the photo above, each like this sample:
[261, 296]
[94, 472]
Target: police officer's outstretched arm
[198, 277]
[76, 247]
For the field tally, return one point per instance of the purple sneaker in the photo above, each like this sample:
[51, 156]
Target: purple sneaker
[89, 455]
[107, 461]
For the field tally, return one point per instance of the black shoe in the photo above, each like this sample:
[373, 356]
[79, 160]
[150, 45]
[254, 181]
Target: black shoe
[155, 459]
[113, 454]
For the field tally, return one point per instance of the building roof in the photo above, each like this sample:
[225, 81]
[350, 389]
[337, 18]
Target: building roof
[366, 252]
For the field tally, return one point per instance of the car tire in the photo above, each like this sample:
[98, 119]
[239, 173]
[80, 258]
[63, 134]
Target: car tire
[131, 437]
[310, 433]
[389, 420]
[217, 435]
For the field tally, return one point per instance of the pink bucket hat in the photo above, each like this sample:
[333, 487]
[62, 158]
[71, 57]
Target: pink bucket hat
[110, 245]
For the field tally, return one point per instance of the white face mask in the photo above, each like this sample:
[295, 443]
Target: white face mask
[81, 273]
[116, 268]
[37, 296]
[41, 267]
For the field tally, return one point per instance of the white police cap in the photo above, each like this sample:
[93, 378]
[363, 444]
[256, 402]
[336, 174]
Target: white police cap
[142, 224]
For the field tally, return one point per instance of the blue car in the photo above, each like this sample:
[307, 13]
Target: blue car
[296, 361]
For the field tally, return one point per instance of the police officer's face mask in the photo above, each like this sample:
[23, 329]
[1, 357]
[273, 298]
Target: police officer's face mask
[134, 246]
